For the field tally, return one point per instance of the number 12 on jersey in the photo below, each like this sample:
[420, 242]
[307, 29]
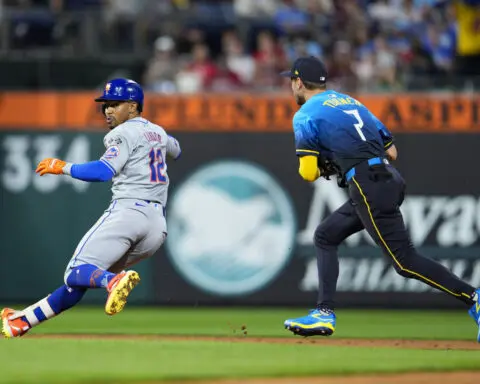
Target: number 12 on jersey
[359, 124]
[158, 167]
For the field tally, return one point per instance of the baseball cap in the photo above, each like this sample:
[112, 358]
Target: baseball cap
[308, 69]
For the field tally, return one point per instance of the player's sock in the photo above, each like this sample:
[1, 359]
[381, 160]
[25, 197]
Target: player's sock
[64, 298]
[89, 276]
[326, 309]
[50, 306]
[38, 312]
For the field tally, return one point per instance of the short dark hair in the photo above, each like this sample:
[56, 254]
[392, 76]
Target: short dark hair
[312, 86]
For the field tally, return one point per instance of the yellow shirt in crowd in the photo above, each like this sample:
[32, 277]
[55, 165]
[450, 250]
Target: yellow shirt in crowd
[468, 19]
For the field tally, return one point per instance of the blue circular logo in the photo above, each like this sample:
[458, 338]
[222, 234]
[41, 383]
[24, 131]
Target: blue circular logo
[231, 228]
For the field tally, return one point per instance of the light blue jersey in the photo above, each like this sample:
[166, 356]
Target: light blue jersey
[339, 128]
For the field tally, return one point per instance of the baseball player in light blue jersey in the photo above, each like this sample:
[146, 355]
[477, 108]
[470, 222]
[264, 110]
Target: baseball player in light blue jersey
[132, 228]
[337, 134]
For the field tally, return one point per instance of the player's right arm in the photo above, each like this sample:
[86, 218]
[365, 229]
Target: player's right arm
[392, 152]
[387, 138]
[173, 148]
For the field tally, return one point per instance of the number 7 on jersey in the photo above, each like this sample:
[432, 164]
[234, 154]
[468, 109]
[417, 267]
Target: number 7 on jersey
[359, 124]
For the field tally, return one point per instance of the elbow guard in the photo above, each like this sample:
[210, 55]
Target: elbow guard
[308, 168]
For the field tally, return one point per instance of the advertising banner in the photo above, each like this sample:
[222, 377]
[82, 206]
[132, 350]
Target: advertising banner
[240, 218]
[434, 113]
[241, 224]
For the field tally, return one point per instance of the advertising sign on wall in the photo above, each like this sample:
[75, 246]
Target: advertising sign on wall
[241, 224]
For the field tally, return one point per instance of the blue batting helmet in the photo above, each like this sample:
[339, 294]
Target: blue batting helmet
[122, 90]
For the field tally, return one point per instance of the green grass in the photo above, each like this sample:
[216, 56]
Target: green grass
[446, 325]
[30, 360]
[133, 360]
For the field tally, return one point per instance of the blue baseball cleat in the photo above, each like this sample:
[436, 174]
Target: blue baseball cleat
[475, 313]
[316, 323]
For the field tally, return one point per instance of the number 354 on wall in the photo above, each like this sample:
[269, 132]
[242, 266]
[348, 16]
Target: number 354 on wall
[21, 153]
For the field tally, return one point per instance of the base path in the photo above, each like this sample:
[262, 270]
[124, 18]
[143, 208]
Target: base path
[320, 341]
[402, 378]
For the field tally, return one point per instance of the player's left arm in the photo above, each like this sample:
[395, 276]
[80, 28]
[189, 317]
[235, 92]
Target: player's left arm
[308, 168]
[306, 149]
[112, 161]
[91, 171]
[387, 138]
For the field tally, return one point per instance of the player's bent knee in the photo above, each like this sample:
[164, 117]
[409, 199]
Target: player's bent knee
[404, 262]
[403, 272]
[403, 266]
[321, 238]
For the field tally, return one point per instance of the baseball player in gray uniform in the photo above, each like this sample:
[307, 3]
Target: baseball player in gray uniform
[132, 228]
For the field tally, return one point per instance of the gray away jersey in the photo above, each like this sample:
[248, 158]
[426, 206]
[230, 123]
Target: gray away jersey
[136, 151]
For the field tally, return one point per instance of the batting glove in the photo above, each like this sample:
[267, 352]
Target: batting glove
[50, 165]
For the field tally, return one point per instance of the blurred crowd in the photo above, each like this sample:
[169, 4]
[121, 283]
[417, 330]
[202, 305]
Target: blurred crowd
[367, 46]
[229, 45]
